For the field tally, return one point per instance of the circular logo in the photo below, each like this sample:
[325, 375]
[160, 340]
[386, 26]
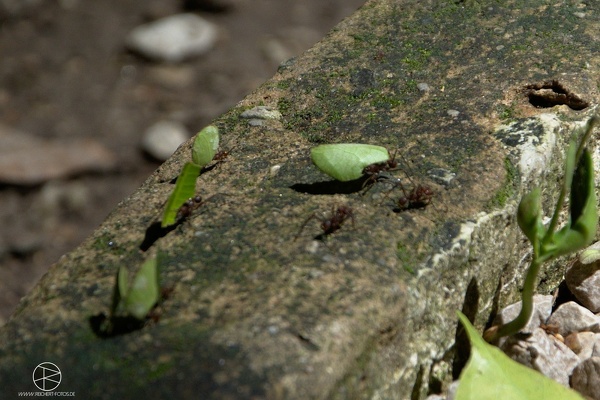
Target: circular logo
[47, 376]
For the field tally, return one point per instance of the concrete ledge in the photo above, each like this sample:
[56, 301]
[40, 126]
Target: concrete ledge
[368, 312]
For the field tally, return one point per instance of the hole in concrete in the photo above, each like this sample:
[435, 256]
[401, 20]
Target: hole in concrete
[553, 93]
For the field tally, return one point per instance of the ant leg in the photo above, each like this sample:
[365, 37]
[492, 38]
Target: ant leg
[368, 184]
[312, 216]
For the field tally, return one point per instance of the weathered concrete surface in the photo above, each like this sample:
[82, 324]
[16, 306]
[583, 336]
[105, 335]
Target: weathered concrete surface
[370, 311]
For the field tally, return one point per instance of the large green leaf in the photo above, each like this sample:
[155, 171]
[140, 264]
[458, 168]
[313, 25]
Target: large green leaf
[491, 374]
[185, 188]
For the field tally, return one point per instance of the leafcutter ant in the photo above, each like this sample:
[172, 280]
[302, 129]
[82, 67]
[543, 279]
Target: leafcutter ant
[191, 204]
[377, 168]
[339, 215]
[418, 197]
[373, 171]
[221, 155]
[218, 158]
[188, 207]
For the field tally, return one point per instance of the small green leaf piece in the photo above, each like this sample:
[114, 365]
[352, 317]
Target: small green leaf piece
[206, 145]
[346, 161]
[185, 188]
[529, 215]
[490, 375]
[144, 291]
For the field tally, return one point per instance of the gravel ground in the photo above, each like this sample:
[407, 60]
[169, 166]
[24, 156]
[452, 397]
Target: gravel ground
[66, 75]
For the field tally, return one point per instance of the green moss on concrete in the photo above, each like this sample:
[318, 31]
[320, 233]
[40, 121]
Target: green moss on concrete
[508, 190]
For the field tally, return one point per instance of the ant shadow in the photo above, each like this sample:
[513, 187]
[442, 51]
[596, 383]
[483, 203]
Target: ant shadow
[332, 186]
[117, 325]
[154, 232]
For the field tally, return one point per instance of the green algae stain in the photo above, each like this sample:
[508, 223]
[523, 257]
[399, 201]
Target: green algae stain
[508, 189]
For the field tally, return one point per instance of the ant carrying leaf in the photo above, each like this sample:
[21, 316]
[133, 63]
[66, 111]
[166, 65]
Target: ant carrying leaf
[347, 161]
[339, 215]
[131, 301]
[419, 195]
[351, 161]
[187, 208]
[185, 188]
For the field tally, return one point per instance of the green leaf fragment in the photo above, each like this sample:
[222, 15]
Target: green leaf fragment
[185, 188]
[144, 291]
[346, 161]
[205, 146]
[490, 374]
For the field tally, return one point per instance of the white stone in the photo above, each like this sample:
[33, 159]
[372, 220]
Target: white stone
[571, 317]
[544, 353]
[586, 378]
[542, 307]
[162, 139]
[173, 38]
[452, 389]
[435, 397]
[261, 112]
[582, 343]
[583, 280]
[423, 87]
[596, 349]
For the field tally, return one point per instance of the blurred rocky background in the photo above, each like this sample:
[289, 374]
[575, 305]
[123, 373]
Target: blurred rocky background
[95, 94]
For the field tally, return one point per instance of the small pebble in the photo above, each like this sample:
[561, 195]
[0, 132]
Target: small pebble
[256, 122]
[583, 280]
[274, 170]
[453, 113]
[163, 138]
[423, 87]
[442, 176]
[173, 39]
[261, 112]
